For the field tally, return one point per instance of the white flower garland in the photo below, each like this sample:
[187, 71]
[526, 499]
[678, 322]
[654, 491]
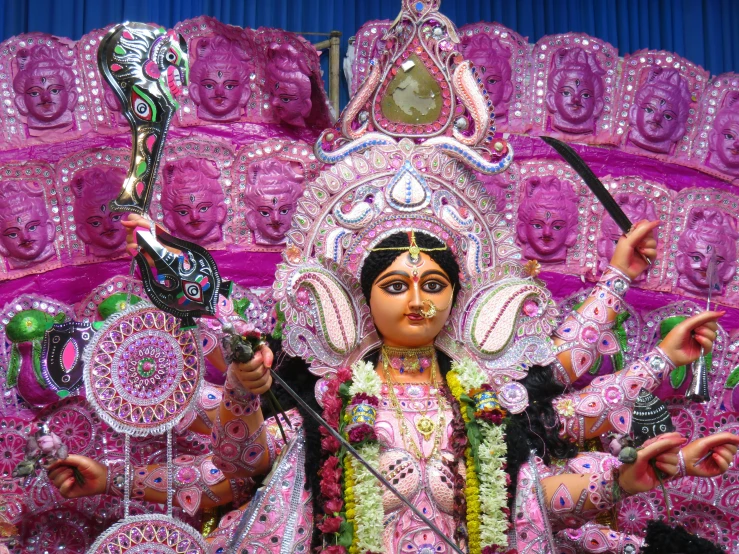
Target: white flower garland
[469, 374]
[369, 512]
[365, 379]
[493, 489]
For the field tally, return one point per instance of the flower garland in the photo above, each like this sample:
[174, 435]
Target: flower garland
[485, 489]
[350, 406]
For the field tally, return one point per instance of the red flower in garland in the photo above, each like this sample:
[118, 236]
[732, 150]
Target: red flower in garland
[335, 549]
[362, 432]
[333, 506]
[330, 524]
[329, 443]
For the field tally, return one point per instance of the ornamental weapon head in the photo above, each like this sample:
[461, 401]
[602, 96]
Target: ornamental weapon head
[146, 67]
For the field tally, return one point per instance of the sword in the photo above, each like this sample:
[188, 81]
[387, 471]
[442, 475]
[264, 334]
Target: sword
[594, 184]
[698, 389]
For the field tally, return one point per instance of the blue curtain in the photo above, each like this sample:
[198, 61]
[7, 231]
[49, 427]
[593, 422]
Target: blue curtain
[704, 31]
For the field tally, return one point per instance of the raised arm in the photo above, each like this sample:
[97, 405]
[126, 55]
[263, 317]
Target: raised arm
[585, 333]
[607, 403]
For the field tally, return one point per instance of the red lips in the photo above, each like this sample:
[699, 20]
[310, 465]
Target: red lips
[414, 317]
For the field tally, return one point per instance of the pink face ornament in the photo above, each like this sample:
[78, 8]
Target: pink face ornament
[723, 139]
[99, 228]
[492, 59]
[575, 91]
[271, 196]
[220, 79]
[288, 81]
[26, 231]
[659, 114]
[44, 87]
[708, 233]
[547, 219]
[193, 201]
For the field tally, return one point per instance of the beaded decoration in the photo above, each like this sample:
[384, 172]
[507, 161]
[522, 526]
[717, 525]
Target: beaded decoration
[142, 370]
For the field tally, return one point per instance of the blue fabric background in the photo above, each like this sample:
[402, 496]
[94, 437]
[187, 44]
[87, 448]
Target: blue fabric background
[705, 31]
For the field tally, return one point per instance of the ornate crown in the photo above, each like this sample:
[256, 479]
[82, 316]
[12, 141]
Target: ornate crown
[398, 168]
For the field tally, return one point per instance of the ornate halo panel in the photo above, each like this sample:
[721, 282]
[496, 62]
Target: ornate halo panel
[142, 370]
[150, 534]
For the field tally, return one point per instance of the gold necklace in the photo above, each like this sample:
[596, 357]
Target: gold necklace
[425, 425]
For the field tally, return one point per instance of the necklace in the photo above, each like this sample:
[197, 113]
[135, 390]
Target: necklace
[409, 360]
[425, 425]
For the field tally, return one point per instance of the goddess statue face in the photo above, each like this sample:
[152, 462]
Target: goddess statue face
[575, 91]
[723, 140]
[44, 87]
[637, 208]
[492, 59]
[398, 296]
[709, 233]
[271, 200]
[660, 111]
[547, 219]
[193, 201]
[100, 229]
[288, 81]
[26, 232]
[220, 79]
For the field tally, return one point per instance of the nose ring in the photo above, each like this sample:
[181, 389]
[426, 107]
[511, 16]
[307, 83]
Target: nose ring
[429, 312]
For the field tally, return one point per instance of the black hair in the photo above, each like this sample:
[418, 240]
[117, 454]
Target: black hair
[379, 260]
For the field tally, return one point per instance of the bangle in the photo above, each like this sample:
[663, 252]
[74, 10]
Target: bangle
[682, 470]
[116, 479]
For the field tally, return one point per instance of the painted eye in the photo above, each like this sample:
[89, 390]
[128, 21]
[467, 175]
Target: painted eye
[172, 56]
[11, 235]
[33, 93]
[193, 291]
[558, 227]
[433, 286]
[284, 211]
[264, 213]
[648, 110]
[230, 87]
[95, 223]
[32, 228]
[536, 225]
[183, 213]
[728, 136]
[56, 90]
[696, 259]
[586, 95]
[116, 217]
[396, 287]
[565, 93]
[141, 107]
[668, 117]
[492, 81]
[204, 209]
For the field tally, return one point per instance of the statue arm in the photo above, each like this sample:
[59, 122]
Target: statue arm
[197, 484]
[586, 334]
[593, 537]
[607, 403]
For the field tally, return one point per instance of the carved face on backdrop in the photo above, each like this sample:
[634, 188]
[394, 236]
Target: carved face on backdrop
[492, 59]
[707, 231]
[575, 91]
[193, 201]
[288, 81]
[220, 79]
[659, 114]
[547, 219]
[45, 88]
[26, 231]
[271, 197]
[636, 208]
[723, 140]
[99, 228]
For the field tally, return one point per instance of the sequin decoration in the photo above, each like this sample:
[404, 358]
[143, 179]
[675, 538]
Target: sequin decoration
[150, 534]
[142, 371]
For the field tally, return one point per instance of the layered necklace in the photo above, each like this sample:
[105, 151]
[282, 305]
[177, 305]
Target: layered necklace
[415, 360]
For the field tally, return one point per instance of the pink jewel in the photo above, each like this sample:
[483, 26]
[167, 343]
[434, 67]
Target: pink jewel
[589, 334]
[425, 362]
[302, 297]
[396, 363]
[531, 308]
[346, 208]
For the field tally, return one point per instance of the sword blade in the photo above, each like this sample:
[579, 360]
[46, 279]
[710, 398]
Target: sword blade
[594, 184]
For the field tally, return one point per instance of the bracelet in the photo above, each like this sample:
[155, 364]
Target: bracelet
[682, 470]
[116, 478]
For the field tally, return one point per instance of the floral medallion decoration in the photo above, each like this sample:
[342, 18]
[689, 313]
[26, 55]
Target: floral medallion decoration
[142, 370]
[150, 533]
